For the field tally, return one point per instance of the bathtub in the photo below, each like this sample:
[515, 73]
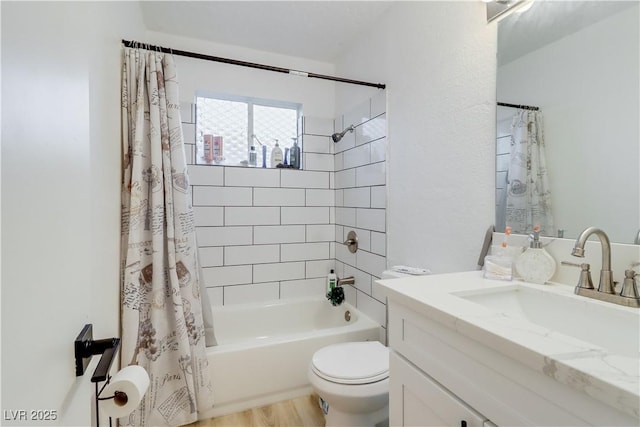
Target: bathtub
[264, 350]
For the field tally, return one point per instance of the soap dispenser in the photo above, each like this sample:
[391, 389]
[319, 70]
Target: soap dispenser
[535, 265]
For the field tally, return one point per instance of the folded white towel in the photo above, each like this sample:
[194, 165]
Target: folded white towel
[415, 271]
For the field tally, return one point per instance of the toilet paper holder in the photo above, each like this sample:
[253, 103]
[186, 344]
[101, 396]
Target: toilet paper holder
[86, 347]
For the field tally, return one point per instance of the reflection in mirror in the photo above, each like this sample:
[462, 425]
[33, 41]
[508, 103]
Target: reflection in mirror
[578, 62]
[497, 10]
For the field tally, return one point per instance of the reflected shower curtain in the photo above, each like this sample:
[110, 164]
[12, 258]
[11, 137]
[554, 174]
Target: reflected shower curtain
[528, 194]
[162, 320]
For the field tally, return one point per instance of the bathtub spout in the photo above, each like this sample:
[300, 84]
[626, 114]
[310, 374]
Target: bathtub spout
[347, 281]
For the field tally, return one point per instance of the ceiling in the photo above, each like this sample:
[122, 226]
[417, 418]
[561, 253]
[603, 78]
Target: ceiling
[318, 30]
[547, 21]
[323, 30]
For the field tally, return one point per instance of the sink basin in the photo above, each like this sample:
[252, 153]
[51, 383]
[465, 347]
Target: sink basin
[606, 325]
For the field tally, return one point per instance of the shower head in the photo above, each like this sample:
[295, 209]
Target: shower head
[338, 136]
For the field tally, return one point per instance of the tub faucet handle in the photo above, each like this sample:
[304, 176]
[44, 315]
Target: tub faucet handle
[352, 242]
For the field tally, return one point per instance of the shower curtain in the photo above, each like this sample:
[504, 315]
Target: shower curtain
[528, 194]
[162, 315]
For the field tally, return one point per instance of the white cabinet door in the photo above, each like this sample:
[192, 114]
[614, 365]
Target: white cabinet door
[415, 399]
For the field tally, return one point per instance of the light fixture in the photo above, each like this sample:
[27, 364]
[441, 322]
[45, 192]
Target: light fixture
[500, 9]
[526, 5]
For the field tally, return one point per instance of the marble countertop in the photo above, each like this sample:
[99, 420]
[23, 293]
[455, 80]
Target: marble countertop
[610, 376]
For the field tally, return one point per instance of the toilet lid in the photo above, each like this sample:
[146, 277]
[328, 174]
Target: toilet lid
[352, 362]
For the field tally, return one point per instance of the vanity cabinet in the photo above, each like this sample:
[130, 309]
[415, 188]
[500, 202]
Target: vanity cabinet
[416, 399]
[440, 376]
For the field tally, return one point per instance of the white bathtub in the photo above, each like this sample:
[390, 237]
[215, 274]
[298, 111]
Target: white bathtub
[264, 349]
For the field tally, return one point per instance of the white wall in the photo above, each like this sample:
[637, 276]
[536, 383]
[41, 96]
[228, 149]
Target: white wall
[317, 96]
[588, 89]
[60, 196]
[438, 61]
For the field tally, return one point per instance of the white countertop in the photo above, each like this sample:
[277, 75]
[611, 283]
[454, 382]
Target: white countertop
[611, 378]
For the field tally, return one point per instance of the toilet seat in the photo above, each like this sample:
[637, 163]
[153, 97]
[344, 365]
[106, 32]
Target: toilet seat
[352, 362]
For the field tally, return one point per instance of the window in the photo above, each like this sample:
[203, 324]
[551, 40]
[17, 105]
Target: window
[233, 124]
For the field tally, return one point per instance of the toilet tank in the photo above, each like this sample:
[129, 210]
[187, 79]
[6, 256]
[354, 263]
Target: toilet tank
[391, 274]
[399, 271]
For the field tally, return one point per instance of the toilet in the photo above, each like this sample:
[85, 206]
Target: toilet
[352, 381]
[352, 378]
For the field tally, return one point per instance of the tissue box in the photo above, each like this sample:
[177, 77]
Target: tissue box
[498, 267]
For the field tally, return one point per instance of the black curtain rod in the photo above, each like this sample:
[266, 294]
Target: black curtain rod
[522, 107]
[134, 44]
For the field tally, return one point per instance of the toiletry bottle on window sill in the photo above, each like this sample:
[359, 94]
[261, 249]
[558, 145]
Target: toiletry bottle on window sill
[253, 156]
[285, 160]
[294, 154]
[207, 141]
[276, 155]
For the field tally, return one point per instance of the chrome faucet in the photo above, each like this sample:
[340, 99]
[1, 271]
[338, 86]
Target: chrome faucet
[606, 276]
[606, 291]
[637, 239]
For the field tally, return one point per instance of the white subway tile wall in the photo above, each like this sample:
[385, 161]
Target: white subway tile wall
[265, 234]
[278, 234]
[278, 196]
[208, 216]
[278, 271]
[360, 202]
[301, 288]
[221, 196]
[305, 179]
[321, 232]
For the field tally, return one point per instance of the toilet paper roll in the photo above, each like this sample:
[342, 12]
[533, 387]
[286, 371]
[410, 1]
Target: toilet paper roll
[128, 386]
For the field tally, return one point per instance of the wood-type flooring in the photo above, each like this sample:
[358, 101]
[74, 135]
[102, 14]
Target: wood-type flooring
[299, 412]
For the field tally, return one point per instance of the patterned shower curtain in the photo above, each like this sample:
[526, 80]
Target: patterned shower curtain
[528, 194]
[162, 320]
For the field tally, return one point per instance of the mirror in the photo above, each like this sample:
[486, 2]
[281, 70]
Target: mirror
[578, 62]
